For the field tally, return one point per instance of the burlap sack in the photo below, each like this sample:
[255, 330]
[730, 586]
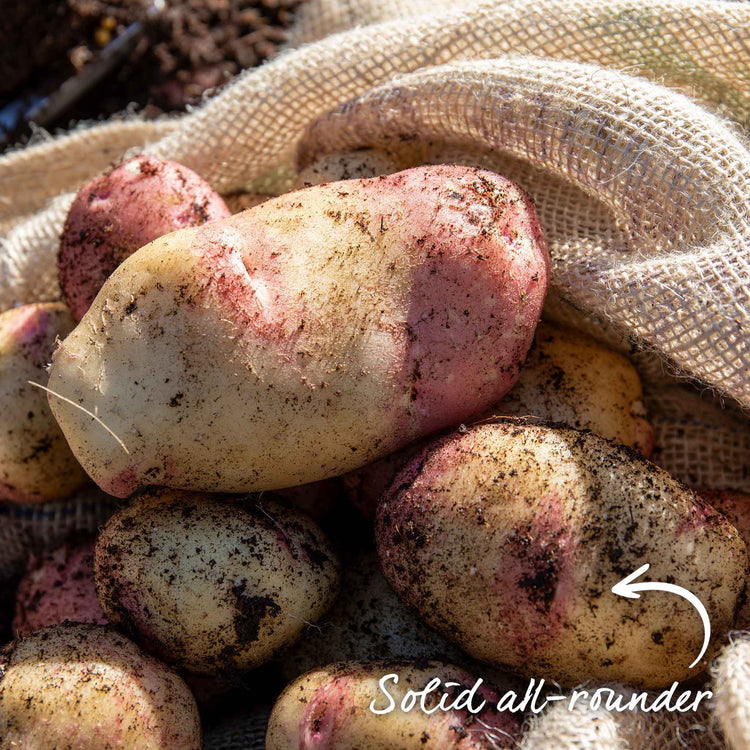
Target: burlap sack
[732, 691]
[600, 729]
[37, 527]
[246, 731]
[625, 119]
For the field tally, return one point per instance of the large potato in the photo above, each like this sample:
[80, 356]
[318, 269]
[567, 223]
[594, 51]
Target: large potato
[36, 463]
[306, 336]
[213, 584]
[85, 687]
[330, 708]
[508, 539]
[568, 377]
[122, 210]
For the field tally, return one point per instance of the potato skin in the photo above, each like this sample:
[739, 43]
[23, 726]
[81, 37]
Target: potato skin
[122, 210]
[508, 539]
[306, 336]
[568, 377]
[572, 378]
[58, 586]
[213, 584]
[329, 708]
[85, 687]
[736, 507]
[36, 463]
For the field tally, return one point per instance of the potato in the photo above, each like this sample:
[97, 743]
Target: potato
[330, 708]
[568, 377]
[58, 586]
[509, 537]
[736, 507]
[85, 687]
[572, 378]
[122, 210]
[36, 463]
[213, 584]
[306, 336]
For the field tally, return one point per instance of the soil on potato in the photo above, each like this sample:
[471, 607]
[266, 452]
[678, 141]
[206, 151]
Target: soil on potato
[188, 47]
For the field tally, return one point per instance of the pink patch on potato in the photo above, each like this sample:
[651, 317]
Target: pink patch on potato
[121, 211]
[644, 439]
[704, 512]
[58, 586]
[323, 713]
[31, 330]
[535, 580]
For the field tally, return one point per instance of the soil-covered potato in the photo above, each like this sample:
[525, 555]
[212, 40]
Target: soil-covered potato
[330, 708]
[509, 537]
[571, 378]
[213, 584]
[58, 586]
[306, 336]
[122, 210]
[85, 687]
[36, 463]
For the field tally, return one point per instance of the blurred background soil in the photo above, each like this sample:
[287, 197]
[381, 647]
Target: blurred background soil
[184, 48]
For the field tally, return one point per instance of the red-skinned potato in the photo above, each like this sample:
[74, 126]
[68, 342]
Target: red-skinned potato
[85, 687]
[568, 378]
[508, 538]
[215, 585]
[329, 709]
[306, 336]
[58, 586]
[122, 210]
[36, 463]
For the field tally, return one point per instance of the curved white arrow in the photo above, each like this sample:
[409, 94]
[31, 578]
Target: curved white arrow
[627, 588]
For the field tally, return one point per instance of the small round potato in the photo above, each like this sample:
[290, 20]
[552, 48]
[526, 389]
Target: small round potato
[121, 211]
[58, 586]
[213, 584]
[331, 708]
[36, 463]
[85, 687]
[509, 537]
[572, 378]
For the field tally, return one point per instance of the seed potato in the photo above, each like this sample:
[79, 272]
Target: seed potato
[85, 687]
[122, 210]
[58, 586]
[213, 584]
